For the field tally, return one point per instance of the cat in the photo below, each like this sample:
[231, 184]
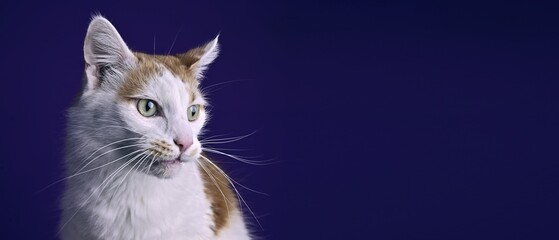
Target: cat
[134, 163]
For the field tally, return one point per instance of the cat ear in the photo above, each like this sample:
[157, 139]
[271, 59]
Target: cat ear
[106, 55]
[199, 58]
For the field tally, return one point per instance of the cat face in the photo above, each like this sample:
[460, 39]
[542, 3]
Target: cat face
[165, 110]
[149, 107]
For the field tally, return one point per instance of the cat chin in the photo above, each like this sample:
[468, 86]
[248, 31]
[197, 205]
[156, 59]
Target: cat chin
[170, 168]
[166, 170]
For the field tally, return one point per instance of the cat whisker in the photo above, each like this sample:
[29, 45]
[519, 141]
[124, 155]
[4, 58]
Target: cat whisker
[107, 152]
[244, 160]
[227, 139]
[231, 149]
[174, 40]
[152, 161]
[103, 147]
[218, 141]
[206, 88]
[222, 136]
[116, 172]
[241, 199]
[203, 132]
[86, 171]
[243, 186]
[139, 163]
[216, 184]
[95, 191]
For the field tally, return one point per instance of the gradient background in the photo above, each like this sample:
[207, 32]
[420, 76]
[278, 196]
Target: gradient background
[391, 120]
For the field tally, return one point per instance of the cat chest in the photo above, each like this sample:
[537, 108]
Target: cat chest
[158, 214]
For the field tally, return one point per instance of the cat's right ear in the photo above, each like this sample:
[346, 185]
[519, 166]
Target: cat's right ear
[198, 59]
[106, 55]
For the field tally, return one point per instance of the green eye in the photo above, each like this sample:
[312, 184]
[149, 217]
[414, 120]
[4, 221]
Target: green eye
[147, 108]
[193, 112]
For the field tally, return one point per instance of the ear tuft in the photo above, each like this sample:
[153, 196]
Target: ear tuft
[198, 59]
[105, 53]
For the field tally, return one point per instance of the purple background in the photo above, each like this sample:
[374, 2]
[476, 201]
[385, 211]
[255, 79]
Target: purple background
[389, 120]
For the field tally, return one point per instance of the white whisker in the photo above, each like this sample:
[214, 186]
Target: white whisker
[89, 170]
[243, 186]
[206, 89]
[95, 191]
[233, 186]
[216, 184]
[152, 160]
[226, 140]
[105, 153]
[244, 160]
[139, 163]
[173, 44]
[231, 149]
[115, 142]
[113, 175]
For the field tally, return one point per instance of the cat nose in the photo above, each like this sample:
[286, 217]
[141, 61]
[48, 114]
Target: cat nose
[183, 143]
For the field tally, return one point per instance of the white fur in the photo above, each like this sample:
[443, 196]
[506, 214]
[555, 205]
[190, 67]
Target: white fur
[109, 197]
[145, 208]
[235, 229]
[211, 51]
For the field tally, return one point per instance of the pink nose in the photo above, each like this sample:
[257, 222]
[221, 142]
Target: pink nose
[183, 143]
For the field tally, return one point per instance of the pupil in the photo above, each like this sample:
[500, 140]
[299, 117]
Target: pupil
[149, 106]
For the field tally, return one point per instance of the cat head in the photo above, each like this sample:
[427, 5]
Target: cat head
[148, 109]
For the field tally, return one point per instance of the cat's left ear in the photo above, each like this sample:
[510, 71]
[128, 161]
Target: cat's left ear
[198, 59]
[106, 55]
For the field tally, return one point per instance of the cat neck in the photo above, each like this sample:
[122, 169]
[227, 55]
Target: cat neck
[179, 201]
[128, 185]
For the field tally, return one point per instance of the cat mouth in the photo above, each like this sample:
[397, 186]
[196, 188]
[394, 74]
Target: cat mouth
[167, 162]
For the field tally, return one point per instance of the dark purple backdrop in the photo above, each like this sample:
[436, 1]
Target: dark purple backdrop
[389, 120]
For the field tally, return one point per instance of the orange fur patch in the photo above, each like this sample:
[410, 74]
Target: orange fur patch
[218, 191]
[149, 66]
